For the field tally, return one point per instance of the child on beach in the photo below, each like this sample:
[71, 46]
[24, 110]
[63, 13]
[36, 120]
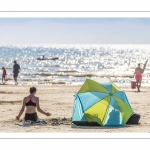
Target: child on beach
[31, 102]
[3, 75]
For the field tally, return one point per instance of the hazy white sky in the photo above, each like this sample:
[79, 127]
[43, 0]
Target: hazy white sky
[74, 31]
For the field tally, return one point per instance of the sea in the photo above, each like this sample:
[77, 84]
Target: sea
[75, 63]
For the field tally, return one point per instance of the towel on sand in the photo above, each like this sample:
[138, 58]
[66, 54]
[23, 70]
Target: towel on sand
[30, 123]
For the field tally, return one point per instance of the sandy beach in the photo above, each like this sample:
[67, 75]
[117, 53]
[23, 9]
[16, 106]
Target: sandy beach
[58, 100]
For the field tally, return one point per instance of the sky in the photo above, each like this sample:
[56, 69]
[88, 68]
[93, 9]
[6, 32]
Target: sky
[34, 31]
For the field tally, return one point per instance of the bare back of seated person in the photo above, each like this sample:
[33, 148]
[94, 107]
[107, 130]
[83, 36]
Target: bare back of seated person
[32, 104]
[31, 109]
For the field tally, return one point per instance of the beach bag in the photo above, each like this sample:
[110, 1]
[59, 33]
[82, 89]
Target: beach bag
[133, 84]
[6, 79]
[134, 119]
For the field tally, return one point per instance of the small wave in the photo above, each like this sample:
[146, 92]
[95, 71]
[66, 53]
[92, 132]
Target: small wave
[76, 74]
[37, 79]
[67, 71]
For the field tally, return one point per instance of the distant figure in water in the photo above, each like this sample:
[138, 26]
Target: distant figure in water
[138, 76]
[4, 75]
[31, 102]
[43, 56]
[16, 70]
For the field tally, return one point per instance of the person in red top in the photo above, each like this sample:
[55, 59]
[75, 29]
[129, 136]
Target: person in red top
[4, 75]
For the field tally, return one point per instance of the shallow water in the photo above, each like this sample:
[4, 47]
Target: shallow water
[75, 63]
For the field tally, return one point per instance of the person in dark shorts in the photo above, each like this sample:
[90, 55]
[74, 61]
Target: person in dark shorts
[32, 103]
[16, 70]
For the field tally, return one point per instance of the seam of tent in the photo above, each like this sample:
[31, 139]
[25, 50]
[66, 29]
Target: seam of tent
[90, 92]
[127, 105]
[97, 102]
[122, 100]
[74, 108]
[111, 86]
[115, 85]
[81, 104]
[96, 96]
[104, 119]
[101, 85]
[104, 87]
[119, 110]
[126, 98]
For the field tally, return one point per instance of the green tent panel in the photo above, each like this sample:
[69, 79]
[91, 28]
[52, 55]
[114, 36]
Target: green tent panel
[102, 102]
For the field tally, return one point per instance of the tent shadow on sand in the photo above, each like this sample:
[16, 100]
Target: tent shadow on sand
[104, 127]
[100, 127]
[111, 119]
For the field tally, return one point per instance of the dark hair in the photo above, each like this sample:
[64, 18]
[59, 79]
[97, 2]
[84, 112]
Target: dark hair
[15, 61]
[3, 68]
[32, 90]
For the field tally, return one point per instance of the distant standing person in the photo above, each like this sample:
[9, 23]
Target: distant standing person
[16, 70]
[3, 75]
[138, 76]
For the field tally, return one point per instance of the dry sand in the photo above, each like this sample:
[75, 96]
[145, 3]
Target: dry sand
[58, 100]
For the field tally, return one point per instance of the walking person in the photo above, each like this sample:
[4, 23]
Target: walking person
[16, 70]
[138, 76]
[4, 75]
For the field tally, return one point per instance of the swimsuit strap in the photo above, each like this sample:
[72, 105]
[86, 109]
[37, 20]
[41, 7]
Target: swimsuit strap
[29, 99]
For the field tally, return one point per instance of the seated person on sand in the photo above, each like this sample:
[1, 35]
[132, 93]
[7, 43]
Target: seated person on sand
[138, 76]
[31, 102]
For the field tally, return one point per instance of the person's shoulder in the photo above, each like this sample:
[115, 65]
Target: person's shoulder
[26, 97]
[37, 98]
[15, 65]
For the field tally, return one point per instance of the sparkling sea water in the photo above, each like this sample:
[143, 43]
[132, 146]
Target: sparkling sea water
[75, 63]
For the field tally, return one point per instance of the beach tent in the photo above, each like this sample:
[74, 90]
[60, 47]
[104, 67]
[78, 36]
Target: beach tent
[100, 101]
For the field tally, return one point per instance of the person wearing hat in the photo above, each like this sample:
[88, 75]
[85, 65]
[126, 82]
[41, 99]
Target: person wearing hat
[16, 70]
